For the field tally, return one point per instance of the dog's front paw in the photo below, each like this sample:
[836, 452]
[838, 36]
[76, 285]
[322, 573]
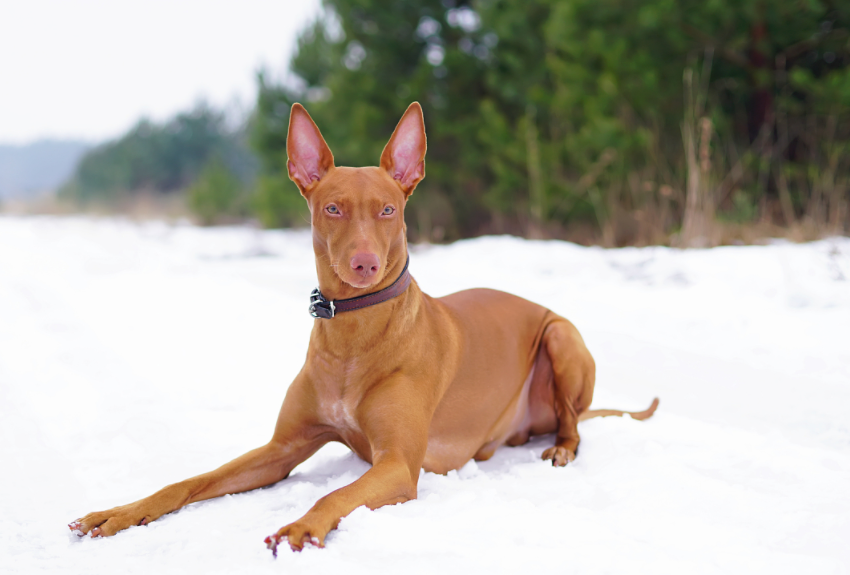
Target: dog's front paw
[106, 523]
[298, 535]
[560, 456]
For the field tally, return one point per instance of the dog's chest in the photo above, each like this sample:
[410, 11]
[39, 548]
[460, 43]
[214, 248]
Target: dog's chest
[335, 411]
[341, 383]
[339, 414]
[338, 386]
[337, 405]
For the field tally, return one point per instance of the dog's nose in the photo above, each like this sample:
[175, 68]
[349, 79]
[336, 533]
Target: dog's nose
[365, 264]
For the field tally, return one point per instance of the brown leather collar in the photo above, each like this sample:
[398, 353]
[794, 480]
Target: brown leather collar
[324, 309]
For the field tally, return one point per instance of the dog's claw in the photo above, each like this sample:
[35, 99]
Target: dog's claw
[76, 528]
[271, 543]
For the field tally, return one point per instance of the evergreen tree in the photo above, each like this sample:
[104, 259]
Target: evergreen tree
[547, 115]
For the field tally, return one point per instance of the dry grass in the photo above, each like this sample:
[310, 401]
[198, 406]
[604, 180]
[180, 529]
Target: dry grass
[137, 207]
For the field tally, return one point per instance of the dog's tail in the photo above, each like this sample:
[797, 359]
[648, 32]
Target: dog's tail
[645, 414]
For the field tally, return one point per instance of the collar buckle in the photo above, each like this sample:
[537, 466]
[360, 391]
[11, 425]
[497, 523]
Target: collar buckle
[319, 306]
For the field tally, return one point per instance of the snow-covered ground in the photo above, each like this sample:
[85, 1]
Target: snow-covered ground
[133, 356]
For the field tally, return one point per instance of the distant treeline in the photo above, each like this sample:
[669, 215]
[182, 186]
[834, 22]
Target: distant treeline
[620, 122]
[195, 151]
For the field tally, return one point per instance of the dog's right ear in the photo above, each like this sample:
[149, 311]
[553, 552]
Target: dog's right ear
[308, 156]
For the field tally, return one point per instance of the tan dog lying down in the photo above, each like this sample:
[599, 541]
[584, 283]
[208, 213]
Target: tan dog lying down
[405, 380]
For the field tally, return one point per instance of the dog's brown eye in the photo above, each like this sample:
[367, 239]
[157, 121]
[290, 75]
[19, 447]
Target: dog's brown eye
[332, 209]
[388, 211]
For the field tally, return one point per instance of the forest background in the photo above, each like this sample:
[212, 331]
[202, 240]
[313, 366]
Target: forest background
[611, 122]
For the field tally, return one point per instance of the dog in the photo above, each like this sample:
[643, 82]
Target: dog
[406, 381]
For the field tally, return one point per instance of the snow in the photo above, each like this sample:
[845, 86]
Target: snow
[137, 355]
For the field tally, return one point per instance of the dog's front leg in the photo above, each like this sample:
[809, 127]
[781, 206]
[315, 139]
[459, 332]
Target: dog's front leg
[262, 466]
[295, 439]
[388, 482]
[395, 420]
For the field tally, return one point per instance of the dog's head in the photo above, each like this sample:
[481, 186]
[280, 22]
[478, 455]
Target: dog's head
[357, 213]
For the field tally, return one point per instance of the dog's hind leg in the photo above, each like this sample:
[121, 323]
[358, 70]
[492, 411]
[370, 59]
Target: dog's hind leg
[574, 375]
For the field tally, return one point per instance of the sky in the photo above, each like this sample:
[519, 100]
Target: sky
[89, 69]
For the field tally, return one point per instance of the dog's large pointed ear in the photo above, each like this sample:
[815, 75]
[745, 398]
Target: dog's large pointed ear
[308, 156]
[404, 154]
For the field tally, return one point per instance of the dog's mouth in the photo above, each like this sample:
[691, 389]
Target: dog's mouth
[361, 281]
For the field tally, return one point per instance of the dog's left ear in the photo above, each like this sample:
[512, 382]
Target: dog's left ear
[404, 155]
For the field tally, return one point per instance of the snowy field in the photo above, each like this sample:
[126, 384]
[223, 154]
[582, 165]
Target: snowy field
[133, 356]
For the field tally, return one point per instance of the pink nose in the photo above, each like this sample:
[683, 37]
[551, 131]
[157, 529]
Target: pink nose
[365, 264]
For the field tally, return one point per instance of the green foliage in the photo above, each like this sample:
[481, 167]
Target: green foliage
[216, 194]
[545, 113]
[275, 206]
[744, 208]
[160, 159]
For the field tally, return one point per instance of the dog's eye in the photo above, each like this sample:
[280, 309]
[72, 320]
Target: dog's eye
[388, 211]
[332, 209]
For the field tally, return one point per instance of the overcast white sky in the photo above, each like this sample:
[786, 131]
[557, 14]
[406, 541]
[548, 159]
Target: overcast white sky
[88, 69]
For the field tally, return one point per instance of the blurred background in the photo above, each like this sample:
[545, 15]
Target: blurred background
[609, 122]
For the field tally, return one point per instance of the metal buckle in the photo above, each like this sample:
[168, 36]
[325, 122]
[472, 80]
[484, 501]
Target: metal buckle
[320, 307]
